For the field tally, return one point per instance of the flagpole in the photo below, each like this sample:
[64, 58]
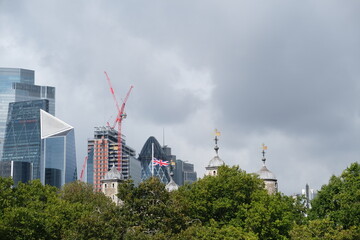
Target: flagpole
[152, 159]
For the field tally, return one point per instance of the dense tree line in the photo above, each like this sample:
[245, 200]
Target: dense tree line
[232, 205]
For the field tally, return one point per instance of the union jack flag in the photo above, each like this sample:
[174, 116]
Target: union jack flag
[160, 162]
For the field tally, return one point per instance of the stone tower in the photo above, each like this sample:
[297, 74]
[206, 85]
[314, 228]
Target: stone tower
[267, 176]
[109, 184]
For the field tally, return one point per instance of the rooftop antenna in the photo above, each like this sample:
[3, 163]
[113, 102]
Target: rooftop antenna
[216, 148]
[264, 147]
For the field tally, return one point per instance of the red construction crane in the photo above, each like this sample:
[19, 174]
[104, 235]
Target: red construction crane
[120, 116]
[83, 169]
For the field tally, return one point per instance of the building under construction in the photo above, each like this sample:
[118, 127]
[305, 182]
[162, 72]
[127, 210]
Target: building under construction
[103, 154]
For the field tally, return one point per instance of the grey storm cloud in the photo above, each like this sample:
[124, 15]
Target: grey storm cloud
[281, 72]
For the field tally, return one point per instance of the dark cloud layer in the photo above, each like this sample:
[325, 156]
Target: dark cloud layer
[281, 72]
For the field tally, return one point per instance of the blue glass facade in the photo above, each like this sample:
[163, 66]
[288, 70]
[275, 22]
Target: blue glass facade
[135, 170]
[22, 138]
[70, 164]
[90, 164]
[52, 158]
[145, 157]
[17, 84]
[19, 171]
[60, 159]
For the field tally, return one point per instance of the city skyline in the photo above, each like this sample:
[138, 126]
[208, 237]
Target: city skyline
[285, 74]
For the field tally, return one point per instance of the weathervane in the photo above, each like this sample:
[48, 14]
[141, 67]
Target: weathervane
[216, 148]
[263, 153]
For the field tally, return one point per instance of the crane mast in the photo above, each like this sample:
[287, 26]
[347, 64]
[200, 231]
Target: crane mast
[83, 169]
[120, 116]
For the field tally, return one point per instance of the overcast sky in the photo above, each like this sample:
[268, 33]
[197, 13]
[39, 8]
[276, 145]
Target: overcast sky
[283, 73]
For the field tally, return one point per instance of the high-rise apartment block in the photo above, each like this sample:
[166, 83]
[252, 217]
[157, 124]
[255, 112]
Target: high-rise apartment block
[16, 85]
[103, 154]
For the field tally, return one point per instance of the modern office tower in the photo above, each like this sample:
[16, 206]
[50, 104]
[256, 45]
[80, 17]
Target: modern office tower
[190, 175]
[167, 151]
[22, 139]
[36, 137]
[58, 151]
[267, 176]
[18, 171]
[17, 84]
[145, 157]
[103, 153]
[184, 173]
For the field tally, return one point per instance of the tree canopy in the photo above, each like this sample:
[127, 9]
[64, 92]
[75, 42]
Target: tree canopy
[232, 205]
[339, 200]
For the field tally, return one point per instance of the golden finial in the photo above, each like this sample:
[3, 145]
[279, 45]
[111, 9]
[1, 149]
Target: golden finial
[264, 147]
[217, 133]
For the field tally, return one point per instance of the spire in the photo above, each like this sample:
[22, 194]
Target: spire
[266, 175]
[216, 148]
[263, 153]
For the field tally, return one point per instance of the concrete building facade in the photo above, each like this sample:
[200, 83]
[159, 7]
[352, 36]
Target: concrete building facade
[103, 154]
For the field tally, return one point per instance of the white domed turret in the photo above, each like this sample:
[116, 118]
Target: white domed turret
[171, 186]
[215, 162]
[268, 177]
[266, 174]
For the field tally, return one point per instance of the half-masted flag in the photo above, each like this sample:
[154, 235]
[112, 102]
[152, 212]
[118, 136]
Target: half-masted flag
[160, 162]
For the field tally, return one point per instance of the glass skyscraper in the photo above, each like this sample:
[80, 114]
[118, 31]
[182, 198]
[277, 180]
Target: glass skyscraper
[145, 158]
[18, 84]
[58, 160]
[18, 171]
[33, 143]
[22, 139]
[36, 137]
